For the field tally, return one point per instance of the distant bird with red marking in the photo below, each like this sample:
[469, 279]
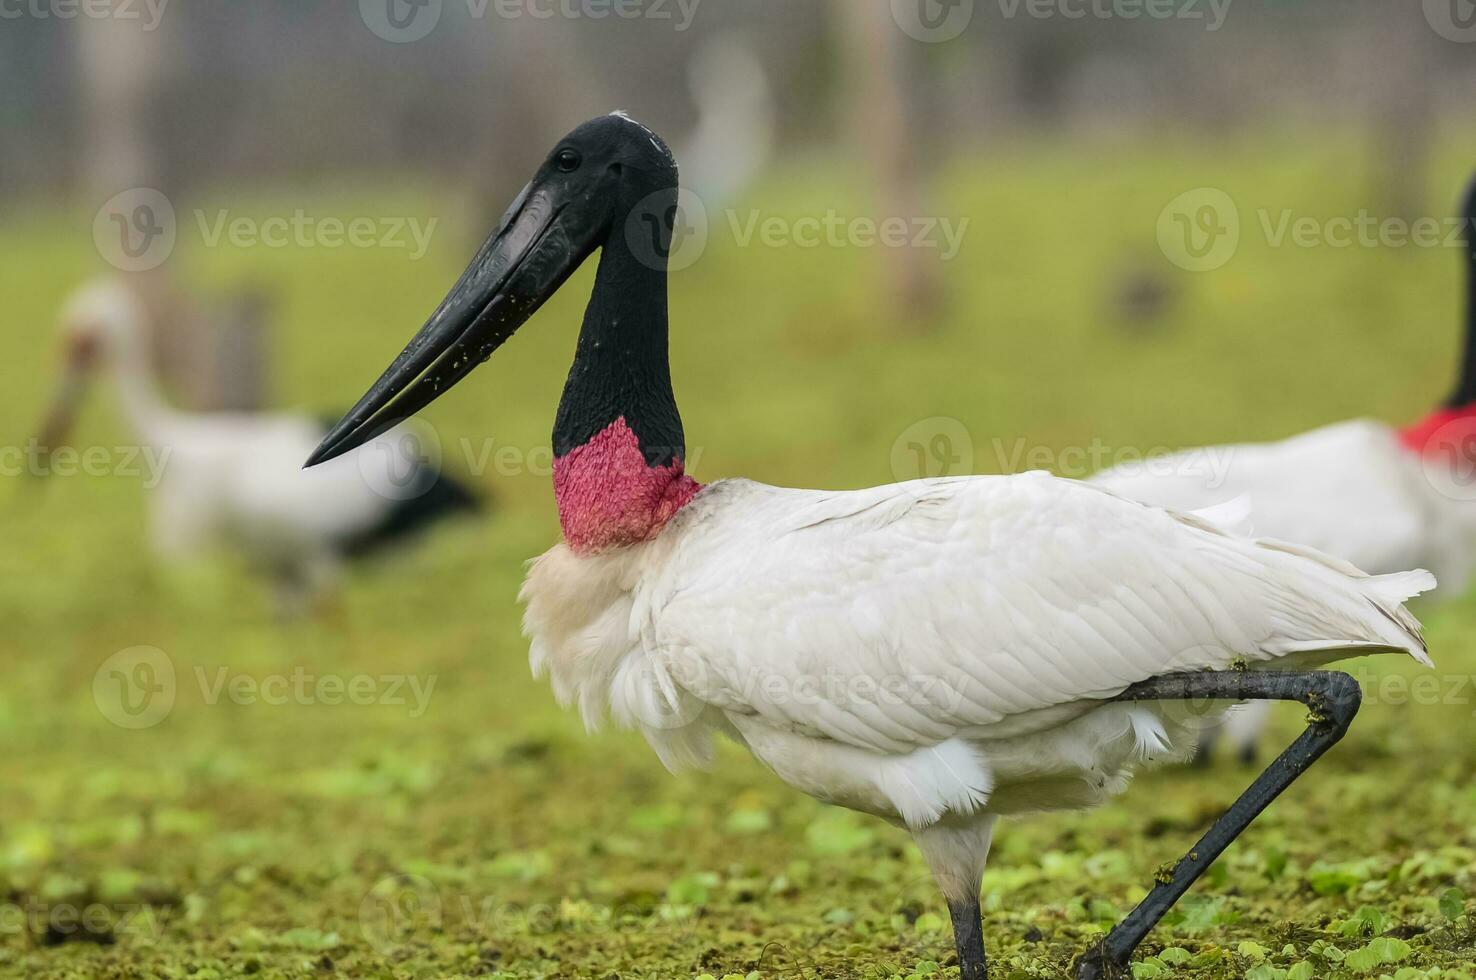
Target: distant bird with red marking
[1381, 497]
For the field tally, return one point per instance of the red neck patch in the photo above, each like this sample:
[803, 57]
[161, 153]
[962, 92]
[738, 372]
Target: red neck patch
[1440, 431]
[609, 497]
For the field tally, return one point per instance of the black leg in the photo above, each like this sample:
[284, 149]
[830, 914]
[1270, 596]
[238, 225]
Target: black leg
[968, 939]
[1333, 700]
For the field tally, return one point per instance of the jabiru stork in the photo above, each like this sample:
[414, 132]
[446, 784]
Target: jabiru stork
[938, 653]
[235, 479]
[1381, 497]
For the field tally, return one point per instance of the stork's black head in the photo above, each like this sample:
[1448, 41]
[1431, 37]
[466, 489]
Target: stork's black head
[591, 186]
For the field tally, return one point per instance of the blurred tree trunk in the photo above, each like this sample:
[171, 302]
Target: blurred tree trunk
[208, 362]
[883, 122]
[1403, 117]
[535, 68]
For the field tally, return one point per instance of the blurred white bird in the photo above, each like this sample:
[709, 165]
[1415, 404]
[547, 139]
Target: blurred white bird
[733, 140]
[1377, 496]
[938, 653]
[236, 480]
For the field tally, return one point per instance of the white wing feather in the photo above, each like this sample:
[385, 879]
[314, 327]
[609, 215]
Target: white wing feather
[983, 602]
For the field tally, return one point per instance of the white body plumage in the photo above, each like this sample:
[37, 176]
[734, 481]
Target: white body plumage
[937, 652]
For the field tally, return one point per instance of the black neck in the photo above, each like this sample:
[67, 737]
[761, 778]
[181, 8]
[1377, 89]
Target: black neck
[620, 366]
[1465, 393]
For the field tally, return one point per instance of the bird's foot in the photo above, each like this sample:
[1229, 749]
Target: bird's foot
[1095, 964]
[968, 939]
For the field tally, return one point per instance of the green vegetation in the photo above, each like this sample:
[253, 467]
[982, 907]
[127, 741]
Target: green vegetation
[489, 836]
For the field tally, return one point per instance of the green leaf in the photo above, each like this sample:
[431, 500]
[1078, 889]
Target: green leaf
[694, 889]
[1175, 956]
[1452, 903]
[1253, 951]
[1148, 969]
[312, 940]
[1206, 958]
[1265, 971]
[929, 922]
[1383, 950]
[1367, 921]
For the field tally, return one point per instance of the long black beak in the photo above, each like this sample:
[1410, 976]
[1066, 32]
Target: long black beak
[63, 411]
[520, 266]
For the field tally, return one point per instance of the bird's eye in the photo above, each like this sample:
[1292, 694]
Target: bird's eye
[568, 160]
